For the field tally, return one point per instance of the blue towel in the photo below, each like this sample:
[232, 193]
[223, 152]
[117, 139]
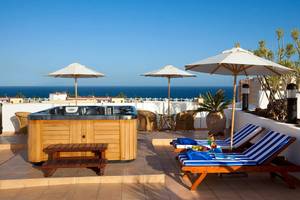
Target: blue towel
[186, 141]
[198, 155]
[216, 150]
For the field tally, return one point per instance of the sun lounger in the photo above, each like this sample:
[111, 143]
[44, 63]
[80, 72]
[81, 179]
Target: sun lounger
[240, 138]
[257, 158]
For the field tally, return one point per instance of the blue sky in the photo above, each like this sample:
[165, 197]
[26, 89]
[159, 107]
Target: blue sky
[124, 39]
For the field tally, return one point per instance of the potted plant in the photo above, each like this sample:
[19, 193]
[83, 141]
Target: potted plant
[215, 105]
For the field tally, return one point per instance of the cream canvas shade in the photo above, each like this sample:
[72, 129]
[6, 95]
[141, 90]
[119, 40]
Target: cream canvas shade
[169, 71]
[237, 61]
[76, 70]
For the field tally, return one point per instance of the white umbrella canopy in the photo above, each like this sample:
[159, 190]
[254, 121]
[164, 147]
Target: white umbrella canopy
[76, 70]
[169, 71]
[237, 61]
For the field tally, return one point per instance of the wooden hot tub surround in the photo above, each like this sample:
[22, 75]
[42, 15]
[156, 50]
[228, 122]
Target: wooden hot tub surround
[119, 132]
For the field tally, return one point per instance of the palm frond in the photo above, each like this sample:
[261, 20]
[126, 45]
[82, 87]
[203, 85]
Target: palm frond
[214, 103]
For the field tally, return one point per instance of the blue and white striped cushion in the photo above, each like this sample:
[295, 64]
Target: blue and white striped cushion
[270, 142]
[264, 143]
[216, 162]
[269, 145]
[257, 154]
[239, 133]
[239, 138]
[245, 134]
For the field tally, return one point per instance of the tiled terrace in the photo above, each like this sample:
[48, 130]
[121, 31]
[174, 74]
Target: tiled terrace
[14, 165]
[152, 159]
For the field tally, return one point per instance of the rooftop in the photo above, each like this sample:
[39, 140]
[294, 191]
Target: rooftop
[155, 158]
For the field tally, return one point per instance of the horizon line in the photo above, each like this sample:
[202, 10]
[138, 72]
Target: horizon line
[111, 86]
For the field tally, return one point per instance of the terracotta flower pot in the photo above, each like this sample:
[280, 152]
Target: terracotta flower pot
[216, 122]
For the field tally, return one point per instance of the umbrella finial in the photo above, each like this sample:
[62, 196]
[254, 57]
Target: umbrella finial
[237, 45]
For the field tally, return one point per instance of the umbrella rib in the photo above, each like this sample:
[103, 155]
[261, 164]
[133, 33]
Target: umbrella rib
[214, 70]
[272, 70]
[245, 72]
[191, 67]
[227, 67]
[244, 68]
[234, 67]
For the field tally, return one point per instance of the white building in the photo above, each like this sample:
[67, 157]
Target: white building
[58, 96]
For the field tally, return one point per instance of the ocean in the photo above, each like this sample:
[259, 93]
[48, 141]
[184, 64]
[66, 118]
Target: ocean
[129, 91]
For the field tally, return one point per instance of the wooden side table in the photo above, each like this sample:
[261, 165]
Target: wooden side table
[96, 162]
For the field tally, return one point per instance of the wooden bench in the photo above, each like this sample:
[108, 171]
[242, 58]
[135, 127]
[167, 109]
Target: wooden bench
[96, 162]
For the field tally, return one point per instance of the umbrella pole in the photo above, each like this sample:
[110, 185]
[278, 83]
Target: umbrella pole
[169, 94]
[233, 111]
[75, 84]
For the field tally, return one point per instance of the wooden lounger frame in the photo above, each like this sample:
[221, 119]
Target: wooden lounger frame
[239, 149]
[268, 166]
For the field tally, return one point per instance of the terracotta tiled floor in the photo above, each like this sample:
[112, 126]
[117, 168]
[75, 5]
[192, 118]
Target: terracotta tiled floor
[14, 165]
[156, 159]
[252, 187]
[16, 139]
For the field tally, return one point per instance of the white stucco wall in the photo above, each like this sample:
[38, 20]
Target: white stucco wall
[200, 120]
[10, 124]
[161, 107]
[262, 101]
[9, 120]
[292, 152]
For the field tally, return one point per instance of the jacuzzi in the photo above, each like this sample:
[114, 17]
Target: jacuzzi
[114, 125]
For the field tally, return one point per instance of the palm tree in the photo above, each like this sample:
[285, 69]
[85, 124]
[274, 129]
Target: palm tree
[215, 105]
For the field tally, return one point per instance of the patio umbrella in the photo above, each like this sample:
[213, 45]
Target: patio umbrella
[76, 70]
[237, 61]
[169, 71]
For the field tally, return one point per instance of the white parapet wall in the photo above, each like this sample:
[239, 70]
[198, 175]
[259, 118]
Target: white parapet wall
[161, 107]
[200, 120]
[9, 120]
[10, 124]
[292, 152]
